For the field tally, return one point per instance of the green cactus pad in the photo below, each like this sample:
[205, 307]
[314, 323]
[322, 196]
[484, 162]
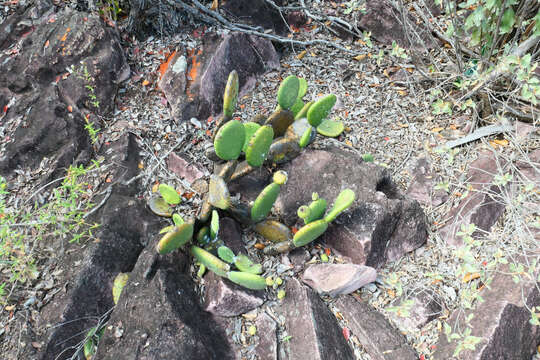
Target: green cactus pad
[259, 145]
[226, 254]
[169, 194]
[279, 177]
[203, 236]
[331, 128]
[320, 109]
[273, 231]
[250, 281]
[313, 211]
[230, 96]
[218, 193]
[167, 229]
[280, 120]
[342, 202]
[297, 107]
[174, 239]
[309, 232]
[303, 112]
[243, 263]
[230, 140]
[177, 219]
[251, 128]
[367, 158]
[288, 91]
[283, 150]
[264, 202]
[306, 137]
[210, 261]
[159, 206]
[214, 224]
[302, 88]
[118, 285]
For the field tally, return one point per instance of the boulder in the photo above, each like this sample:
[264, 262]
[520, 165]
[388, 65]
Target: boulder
[256, 13]
[231, 235]
[376, 335]
[338, 279]
[315, 333]
[501, 321]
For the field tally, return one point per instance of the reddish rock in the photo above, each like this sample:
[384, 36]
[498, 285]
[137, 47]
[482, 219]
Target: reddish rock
[481, 207]
[376, 335]
[183, 169]
[424, 307]
[501, 321]
[173, 83]
[422, 187]
[224, 298]
[338, 279]
[231, 235]
[315, 333]
[266, 348]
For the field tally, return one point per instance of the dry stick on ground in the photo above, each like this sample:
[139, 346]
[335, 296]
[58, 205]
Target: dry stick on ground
[342, 24]
[217, 19]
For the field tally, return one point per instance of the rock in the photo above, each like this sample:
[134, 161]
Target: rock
[380, 226]
[159, 317]
[266, 349]
[256, 13]
[315, 333]
[424, 308]
[298, 257]
[249, 186]
[231, 235]
[250, 56]
[376, 335]
[338, 279]
[53, 102]
[481, 206]
[385, 24]
[501, 321]
[422, 187]
[183, 169]
[224, 298]
[173, 82]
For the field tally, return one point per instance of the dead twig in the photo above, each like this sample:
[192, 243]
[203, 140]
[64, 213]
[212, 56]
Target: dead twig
[479, 133]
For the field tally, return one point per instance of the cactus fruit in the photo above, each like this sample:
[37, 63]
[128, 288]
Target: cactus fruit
[259, 145]
[279, 248]
[320, 109]
[314, 211]
[243, 263]
[283, 150]
[342, 202]
[297, 107]
[280, 177]
[169, 194]
[118, 285]
[280, 121]
[288, 92]
[218, 193]
[226, 254]
[210, 261]
[214, 225]
[251, 128]
[309, 232]
[273, 231]
[330, 128]
[230, 140]
[250, 281]
[159, 206]
[230, 96]
[306, 137]
[174, 239]
[303, 112]
[302, 88]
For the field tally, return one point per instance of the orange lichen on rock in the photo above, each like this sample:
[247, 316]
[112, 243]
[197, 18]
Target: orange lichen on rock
[165, 65]
[193, 70]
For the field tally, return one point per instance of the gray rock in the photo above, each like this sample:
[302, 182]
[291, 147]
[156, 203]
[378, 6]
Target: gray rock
[501, 321]
[173, 83]
[315, 333]
[256, 13]
[231, 235]
[266, 349]
[424, 307]
[338, 279]
[376, 335]
[224, 298]
[422, 187]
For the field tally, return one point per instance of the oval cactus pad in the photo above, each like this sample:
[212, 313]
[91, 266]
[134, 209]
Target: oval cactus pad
[320, 109]
[309, 232]
[251, 128]
[230, 96]
[259, 145]
[230, 140]
[264, 202]
[331, 128]
[169, 194]
[250, 281]
[174, 239]
[342, 202]
[288, 92]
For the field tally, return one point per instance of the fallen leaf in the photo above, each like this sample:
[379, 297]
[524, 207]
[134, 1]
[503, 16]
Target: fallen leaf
[10, 307]
[145, 82]
[36, 345]
[259, 246]
[301, 55]
[402, 92]
[215, 4]
[469, 277]
[437, 129]
[502, 142]
[155, 187]
[360, 57]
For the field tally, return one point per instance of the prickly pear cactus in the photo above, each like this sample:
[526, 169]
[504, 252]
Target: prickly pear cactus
[172, 240]
[251, 128]
[230, 96]
[218, 193]
[314, 211]
[288, 92]
[280, 120]
[320, 109]
[342, 202]
[230, 140]
[259, 145]
[303, 112]
[210, 261]
[330, 128]
[273, 231]
[243, 263]
[250, 281]
[264, 202]
[309, 232]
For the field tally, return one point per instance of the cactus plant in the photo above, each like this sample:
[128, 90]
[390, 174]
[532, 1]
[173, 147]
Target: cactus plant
[279, 248]
[264, 202]
[297, 107]
[169, 194]
[309, 232]
[320, 109]
[214, 225]
[175, 238]
[251, 128]
[259, 145]
[273, 231]
[279, 121]
[367, 157]
[225, 254]
[203, 236]
[243, 263]
[314, 211]
[288, 92]
[177, 219]
[210, 261]
[250, 281]
[218, 193]
[331, 128]
[230, 140]
[342, 202]
[303, 112]
[306, 137]
[283, 150]
[230, 95]
[159, 206]
[302, 88]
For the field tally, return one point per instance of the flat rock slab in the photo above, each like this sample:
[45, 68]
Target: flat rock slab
[380, 340]
[315, 333]
[338, 279]
[158, 316]
[422, 186]
[424, 307]
[380, 226]
[266, 348]
[501, 322]
[182, 168]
